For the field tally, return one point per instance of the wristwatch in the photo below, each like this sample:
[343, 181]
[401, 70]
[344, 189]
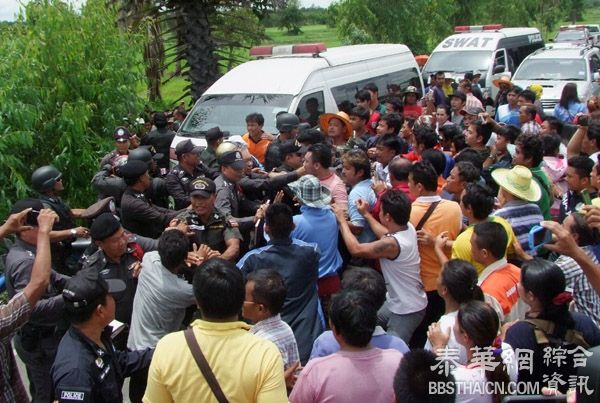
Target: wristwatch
[73, 233]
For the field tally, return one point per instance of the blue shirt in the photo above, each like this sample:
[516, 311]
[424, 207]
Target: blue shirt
[508, 116]
[319, 226]
[362, 190]
[326, 343]
[567, 115]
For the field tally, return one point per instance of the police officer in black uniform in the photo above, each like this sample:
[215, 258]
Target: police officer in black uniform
[88, 367]
[47, 181]
[214, 138]
[188, 169]
[287, 124]
[36, 342]
[209, 225]
[122, 137]
[157, 193]
[139, 215]
[160, 139]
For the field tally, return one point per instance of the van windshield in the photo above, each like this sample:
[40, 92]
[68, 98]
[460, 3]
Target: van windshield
[552, 69]
[229, 112]
[459, 61]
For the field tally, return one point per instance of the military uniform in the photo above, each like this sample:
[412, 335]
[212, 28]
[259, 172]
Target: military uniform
[213, 233]
[86, 372]
[141, 217]
[36, 342]
[177, 182]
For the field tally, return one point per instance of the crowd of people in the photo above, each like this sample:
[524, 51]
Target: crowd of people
[387, 252]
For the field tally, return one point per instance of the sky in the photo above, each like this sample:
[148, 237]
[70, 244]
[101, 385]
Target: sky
[10, 8]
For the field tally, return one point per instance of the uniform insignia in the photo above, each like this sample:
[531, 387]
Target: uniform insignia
[99, 362]
[72, 395]
[104, 272]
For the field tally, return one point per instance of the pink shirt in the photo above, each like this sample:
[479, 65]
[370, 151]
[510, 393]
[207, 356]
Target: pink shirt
[337, 188]
[349, 376]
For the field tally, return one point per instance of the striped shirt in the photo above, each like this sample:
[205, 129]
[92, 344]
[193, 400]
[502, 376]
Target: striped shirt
[587, 301]
[277, 331]
[522, 216]
[12, 316]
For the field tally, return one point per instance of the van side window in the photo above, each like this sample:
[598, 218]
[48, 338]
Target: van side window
[310, 107]
[344, 94]
[500, 59]
[594, 63]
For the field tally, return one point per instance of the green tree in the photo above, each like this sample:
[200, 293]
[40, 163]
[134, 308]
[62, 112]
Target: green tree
[66, 80]
[291, 18]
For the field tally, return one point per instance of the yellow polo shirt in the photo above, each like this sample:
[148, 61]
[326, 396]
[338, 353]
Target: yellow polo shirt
[461, 248]
[248, 368]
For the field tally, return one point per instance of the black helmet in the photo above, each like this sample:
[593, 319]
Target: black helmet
[140, 154]
[286, 122]
[44, 178]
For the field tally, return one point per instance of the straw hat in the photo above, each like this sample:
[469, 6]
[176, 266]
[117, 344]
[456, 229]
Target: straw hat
[519, 182]
[325, 118]
[503, 80]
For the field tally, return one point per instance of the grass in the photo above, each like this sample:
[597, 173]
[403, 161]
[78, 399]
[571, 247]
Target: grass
[172, 90]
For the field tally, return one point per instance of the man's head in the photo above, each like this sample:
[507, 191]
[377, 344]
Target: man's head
[353, 316]
[202, 193]
[439, 79]
[551, 125]
[470, 115]
[477, 201]
[356, 167]
[47, 179]
[187, 153]
[579, 171]
[214, 137]
[393, 105]
[386, 148]
[219, 290]
[368, 281]
[591, 140]
[29, 235]
[425, 138]
[363, 99]
[109, 236]
[160, 120]
[436, 158]
[457, 101]
[399, 169]
[469, 154]
[318, 159]
[232, 165]
[478, 134]
[279, 221]
[463, 173]
[513, 96]
[466, 86]
[527, 113]
[422, 179]
[254, 125]
[488, 242]
[359, 117]
[135, 174]
[390, 123]
[374, 91]
[173, 247]
[265, 295]
[414, 377]
[395, 206]
[179, 113]
[287, 123]
[529, 150]
[121, 136]
[526, 97]
[290, 154]
[507, 135]
[88, 298]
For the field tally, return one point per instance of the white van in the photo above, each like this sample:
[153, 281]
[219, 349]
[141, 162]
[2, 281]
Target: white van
[488, 49]
[284, 78]
[557, 65]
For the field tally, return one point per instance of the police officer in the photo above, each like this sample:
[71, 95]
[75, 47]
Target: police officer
[214, 138]
[88, 367]
[291, 157]
[107, 181]
[287, 124]
[157, 192]
[209, 225]
[188, 169]
[139, 215]
[160, 139]
[36, 342]
[47, 181]
[122, 137]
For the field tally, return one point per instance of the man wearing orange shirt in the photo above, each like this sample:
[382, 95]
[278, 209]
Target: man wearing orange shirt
[430, 215]
[256, 138]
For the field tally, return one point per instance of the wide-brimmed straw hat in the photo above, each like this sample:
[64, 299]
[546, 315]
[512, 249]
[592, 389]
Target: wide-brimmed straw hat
[519, 182]
[325, 118]
[310, 191]
[503, 80]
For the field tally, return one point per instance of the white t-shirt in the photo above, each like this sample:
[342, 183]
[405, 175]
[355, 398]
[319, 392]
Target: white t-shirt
[447, 322]
[405, 290]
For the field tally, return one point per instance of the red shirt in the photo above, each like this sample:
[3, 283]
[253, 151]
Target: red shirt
[403, 186]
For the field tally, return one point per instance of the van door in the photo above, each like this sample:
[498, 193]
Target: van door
[310, 106]
[499, 68]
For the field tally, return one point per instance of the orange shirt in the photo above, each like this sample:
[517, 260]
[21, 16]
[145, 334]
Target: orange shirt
[446, 217]
[501, 284]
[258, 150]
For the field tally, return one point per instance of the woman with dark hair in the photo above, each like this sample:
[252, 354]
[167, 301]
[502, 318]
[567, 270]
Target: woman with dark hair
[456, 284]
[476, 329]
[569, 105]
[548, 326]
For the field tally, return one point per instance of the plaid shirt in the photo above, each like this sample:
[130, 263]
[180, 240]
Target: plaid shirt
[586, 299]
[12, 316]
[277, 331]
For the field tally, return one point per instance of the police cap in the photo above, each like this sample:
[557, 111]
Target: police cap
[86, 287]
[104, 226]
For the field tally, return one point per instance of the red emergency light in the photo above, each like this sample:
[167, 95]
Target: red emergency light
[303, 48]
[477, 28]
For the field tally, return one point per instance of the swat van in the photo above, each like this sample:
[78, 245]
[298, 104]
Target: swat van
[306, 80]
[491, 50]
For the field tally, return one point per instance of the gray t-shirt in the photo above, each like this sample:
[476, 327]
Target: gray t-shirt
[159, 304]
